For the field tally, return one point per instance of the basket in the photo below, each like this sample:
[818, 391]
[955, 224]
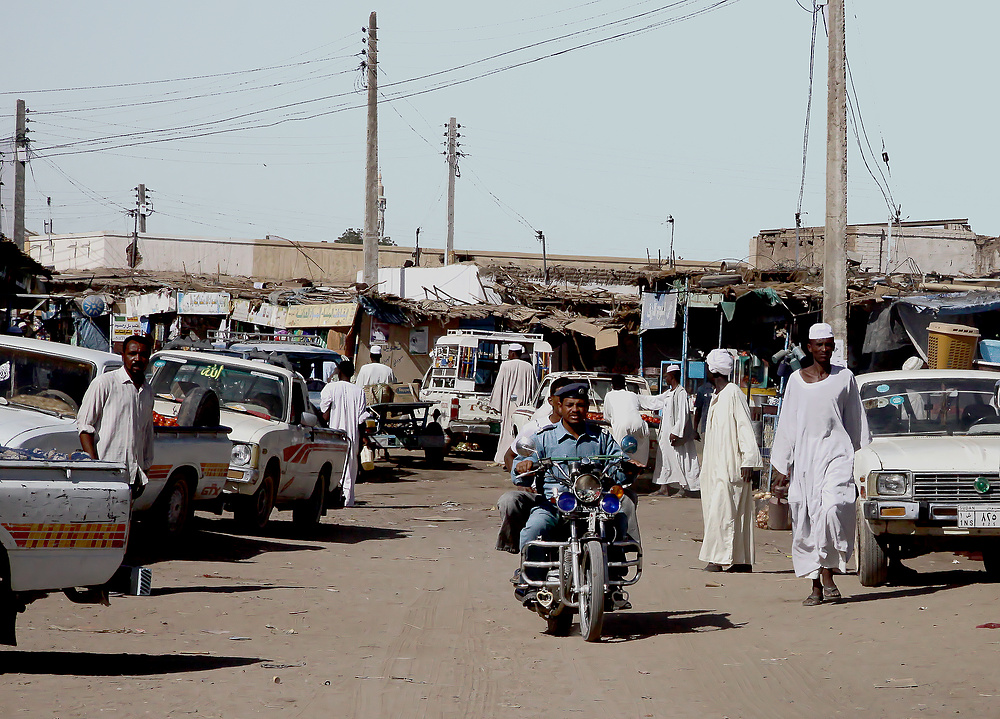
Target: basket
[951, 346]
[989, 350]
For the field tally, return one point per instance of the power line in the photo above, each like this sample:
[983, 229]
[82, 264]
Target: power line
[809, 101]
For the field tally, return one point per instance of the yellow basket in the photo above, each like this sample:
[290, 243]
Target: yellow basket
[951, 346]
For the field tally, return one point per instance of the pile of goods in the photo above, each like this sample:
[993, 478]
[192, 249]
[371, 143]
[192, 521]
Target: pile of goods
[762, 502]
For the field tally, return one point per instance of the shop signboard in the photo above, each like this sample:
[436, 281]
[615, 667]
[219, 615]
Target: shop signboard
[659, 311]
[329, 315]
[123, 327]
[419, 340]
[241, 310]
[203, 303]
[152, 303]
[269, 315]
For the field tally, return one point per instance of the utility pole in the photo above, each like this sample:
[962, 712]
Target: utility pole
[452, 134]
[20, 158]
[835, 234]
[416, 250]
[370, 272]
[141, 207]
[670, 219]
[545, 259]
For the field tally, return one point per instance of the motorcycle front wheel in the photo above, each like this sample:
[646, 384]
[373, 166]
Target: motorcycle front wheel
[592, 593]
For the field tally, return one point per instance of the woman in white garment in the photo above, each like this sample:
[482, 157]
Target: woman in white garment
[822, 425]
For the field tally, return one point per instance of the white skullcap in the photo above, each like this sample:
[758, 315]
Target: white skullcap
[913, 363]
[516, 348]
[375, 351]
[674, 368]
[820, 331]
[720, 362]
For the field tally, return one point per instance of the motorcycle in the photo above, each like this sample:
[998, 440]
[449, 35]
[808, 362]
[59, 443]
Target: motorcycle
[588, 559]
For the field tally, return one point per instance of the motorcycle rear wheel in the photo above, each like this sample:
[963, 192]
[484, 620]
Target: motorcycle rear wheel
[591, 598]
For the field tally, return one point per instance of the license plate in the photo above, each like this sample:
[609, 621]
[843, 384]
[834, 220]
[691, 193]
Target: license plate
[981, 515]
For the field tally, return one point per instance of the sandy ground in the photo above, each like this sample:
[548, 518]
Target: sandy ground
[402, 608]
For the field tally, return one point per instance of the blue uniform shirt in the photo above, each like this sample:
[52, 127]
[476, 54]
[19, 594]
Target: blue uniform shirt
[556, 441]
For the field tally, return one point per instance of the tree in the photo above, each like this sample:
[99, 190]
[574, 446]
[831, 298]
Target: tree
[354, 236]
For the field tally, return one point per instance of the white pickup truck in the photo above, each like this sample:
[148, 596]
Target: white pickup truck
[63, 527]
[280, 457]
[41, 387]
[930, 479]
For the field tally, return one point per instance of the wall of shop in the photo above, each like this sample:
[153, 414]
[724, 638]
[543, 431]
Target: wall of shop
[407, 365]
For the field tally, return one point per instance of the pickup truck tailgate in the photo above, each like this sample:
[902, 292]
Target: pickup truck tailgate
[63, 524]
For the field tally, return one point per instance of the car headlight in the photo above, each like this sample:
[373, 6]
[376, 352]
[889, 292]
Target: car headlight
[242, 455]
[891, 484]
[587, 488]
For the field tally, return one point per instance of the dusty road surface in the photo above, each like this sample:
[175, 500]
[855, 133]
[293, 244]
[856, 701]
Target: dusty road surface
[402, 608]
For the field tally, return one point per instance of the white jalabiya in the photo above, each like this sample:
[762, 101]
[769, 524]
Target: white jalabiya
[622, 410]
[822, 425]
[374, 373]
[515, 385]
[675, 464]
[726, 500]
[347, 407]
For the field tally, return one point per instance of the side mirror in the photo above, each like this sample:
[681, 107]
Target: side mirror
[524, 446]
[309, 419]
[629, 444]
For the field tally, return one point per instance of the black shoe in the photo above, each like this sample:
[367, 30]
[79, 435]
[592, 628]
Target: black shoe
[712, 567]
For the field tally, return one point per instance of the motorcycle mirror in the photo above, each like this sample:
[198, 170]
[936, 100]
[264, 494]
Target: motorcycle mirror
[524, 446]
[629, 444]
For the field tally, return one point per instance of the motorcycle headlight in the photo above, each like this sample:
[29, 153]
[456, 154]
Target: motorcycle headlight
[241, 455]
[891, 483]
[610, 504]
[587, 488]
[566, 502]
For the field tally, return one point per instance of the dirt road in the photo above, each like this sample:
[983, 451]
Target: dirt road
[402, 608]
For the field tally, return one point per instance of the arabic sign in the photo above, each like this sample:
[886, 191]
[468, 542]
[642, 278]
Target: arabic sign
[203, 303]
[241, 310]
[152, 303]
[123, 327]
[659, 311]
[332, 315]
[269, 315]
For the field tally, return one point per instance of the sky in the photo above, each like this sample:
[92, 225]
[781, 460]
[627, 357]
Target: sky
[693, 109]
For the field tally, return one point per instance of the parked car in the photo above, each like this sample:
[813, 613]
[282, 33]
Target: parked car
[280, 457]
[41, 390]
[64, 526]
[930, 479]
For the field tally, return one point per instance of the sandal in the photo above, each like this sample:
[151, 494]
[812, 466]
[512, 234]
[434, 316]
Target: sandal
[831, 593]
[812, 600]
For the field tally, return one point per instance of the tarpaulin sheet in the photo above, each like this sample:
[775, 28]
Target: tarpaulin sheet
[918, 311]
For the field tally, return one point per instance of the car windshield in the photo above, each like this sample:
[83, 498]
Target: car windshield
[261, 394]
[599, 387]
[44, 382]
[926, 406]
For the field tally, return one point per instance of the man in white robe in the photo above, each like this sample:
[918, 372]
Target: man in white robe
[622, 410]
[730, 456]
[822, 425]
[344, 407]
[516, 384]
[676, 455]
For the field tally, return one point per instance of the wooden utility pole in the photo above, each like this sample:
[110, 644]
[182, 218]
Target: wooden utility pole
[370, 272]
[835, 235]
[449, 250]
[20, 158]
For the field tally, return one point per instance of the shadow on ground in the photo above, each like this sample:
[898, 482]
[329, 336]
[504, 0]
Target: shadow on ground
[918, 584]
[91, 664]
[219, 589]
[629, 626]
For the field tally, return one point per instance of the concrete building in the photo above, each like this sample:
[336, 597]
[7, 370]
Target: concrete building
[275, 258]
[946, 247]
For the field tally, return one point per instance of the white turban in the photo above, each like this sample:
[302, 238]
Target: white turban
[820, 331]
[720, 362]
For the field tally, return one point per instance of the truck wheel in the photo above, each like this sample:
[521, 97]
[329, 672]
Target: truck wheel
[991, 562]
[9, 607]
[200, 408]
[873, 563]
[307, 512]
[434, 455]
[173, 509]
[253, 512]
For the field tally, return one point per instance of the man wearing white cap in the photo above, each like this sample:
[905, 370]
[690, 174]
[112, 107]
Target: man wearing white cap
[822, 425]
[375, 372]
[676, 456]
[622, 411]
[515, 384]
[730, 454]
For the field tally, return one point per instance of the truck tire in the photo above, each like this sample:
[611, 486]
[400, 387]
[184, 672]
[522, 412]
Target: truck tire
[200, 408]
[174, 508]
[307, 513]
[991, 562]
[434, 455]
[253, 512]
[873, 563]
[9, 606]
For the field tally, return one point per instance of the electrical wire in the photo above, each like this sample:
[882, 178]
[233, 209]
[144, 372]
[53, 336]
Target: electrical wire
[809, 101]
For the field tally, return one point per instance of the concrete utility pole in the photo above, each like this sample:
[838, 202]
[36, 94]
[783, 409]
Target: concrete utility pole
[20, 158]
[370, 272]
[835, 235]
[141, 208]
[545, 259]
[449, 250]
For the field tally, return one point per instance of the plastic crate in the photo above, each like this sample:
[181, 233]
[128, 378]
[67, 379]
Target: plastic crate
[951, 346]
[989, 350]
